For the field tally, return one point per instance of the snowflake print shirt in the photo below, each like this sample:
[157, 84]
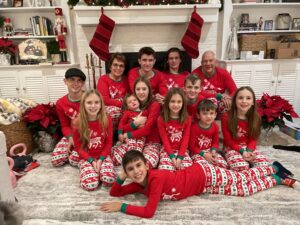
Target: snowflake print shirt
[162, 185]
[175, 80]
[242, 139]
[174, 136]
[100, 143]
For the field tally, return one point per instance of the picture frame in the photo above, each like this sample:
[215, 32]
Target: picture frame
[268, 25]
[17, 3]
[6, 3]
[296, 24]
[245, 18]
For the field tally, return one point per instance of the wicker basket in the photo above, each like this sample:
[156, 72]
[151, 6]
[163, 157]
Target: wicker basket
[18, 133]
[253, 42]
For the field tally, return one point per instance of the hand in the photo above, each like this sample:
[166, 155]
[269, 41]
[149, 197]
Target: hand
[111, 207]
[99, 164]
[227, 101]
[159, 98]
[208, 156]
[121, 138]
[70, 145]
[178, 163]
[139, 120]
[174, 161]
[123, 175]
[248, 156]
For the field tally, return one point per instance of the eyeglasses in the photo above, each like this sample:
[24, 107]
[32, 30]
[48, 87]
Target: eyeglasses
[118, 65]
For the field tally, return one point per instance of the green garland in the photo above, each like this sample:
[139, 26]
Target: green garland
[125, 3]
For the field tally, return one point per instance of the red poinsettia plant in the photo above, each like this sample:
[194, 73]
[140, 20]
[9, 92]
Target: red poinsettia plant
[42, 117]
[6, 46]
[273, 109]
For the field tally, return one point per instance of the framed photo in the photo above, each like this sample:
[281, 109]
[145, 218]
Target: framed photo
[32, 49]
[296, 24]
[268, 25]
[18, 3]
[245, 18]
[5, 3]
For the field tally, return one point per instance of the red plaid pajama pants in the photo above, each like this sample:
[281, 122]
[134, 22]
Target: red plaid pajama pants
[245, 183]
[166, 163]
[60, 155]
[221, 162]
[236, 162]
[90, 180]
[118, 151]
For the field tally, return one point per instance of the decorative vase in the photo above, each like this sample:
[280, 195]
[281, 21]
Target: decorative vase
[45, 141]
[55, 58]
[4, 59]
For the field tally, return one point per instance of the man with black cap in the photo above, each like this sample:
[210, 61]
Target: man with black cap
[67, 109]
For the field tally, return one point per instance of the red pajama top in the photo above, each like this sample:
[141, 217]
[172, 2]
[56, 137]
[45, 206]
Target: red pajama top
[175, 80]
[113, 91]
[174, 136]
[100, 143]
[220, 82]
[149, 130]
[67, 111]
[203, 138]
[158, 83]
[125, 124]
[163, 185]
[242, 136]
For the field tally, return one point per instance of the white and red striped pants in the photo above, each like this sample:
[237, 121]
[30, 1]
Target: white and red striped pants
[90, 180]
[245, 183]
[60, 155]
[166, 163]
[236, 162]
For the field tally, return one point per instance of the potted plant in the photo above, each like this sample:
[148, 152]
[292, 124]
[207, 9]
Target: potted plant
[53, 49]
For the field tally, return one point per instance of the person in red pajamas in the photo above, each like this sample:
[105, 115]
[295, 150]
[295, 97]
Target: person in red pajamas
[216, 80]
[174, 75]
[146, 59]
[201, 177]
[132, 110]
[174, 129]
[204, 138]
[194, 94]
[113, 87]
[92, 136]
[147, 126]
[241, 127]
[67, 108]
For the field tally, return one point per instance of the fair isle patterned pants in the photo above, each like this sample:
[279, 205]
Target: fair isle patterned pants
[236, 162]
[166, 163]
[60, 155]
[115, 113]
[221, 162]
[245, 183]
[151, 153]
[90, 180]
[118, 151]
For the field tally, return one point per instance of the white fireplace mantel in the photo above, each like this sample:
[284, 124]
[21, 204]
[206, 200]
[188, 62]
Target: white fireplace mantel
[152, 14]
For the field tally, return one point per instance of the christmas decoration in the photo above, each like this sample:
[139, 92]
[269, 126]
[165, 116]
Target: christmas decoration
[190, 39]
[60, 30]
[100, 41]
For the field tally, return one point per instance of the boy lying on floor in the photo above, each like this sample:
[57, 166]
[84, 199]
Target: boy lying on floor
[201, 177]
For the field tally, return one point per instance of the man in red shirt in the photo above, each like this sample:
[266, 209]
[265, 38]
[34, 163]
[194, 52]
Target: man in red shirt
[67, 108]
[216, 80]
[200, 177]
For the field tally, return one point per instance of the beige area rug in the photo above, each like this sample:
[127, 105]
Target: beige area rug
[52, 196]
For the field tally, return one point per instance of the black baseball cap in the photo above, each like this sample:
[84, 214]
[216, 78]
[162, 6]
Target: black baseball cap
[74, 72]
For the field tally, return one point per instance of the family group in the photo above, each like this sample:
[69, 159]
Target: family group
[160, 125]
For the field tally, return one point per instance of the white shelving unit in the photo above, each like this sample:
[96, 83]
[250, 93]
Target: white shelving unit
[40, 83]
